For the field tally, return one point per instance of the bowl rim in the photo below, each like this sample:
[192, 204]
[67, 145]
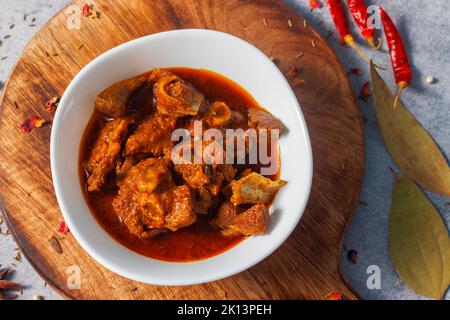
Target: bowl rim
[86, 246]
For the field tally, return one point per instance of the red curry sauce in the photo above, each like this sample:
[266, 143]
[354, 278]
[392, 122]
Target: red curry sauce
[196, 242]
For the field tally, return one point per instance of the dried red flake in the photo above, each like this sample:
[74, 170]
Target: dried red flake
[32, 122]
[315, 4]
[334, 296]
[63, 227]
[365, 92]
[355, 71]
[86, 10]
[52, 104]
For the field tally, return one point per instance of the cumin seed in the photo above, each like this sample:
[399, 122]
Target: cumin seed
[290, 23]
[265, 22]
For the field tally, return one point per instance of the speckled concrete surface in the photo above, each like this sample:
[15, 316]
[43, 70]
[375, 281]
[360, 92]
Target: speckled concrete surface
[421, 23]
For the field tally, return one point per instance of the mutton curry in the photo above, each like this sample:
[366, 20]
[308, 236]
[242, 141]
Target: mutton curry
[161, 209]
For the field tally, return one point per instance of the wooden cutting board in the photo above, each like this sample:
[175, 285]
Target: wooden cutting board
[306, 266]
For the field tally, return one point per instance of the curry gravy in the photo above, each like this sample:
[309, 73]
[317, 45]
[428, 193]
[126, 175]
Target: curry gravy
[196, 242]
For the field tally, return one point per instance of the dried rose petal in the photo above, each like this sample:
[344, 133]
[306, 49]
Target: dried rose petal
[365, 92]
[63, 227]
[32, 122]
[86, 10]
[334, 296]
[315, 4]
[52, 104]
[355, 71]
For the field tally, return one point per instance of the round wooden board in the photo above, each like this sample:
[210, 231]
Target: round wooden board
[307, 264]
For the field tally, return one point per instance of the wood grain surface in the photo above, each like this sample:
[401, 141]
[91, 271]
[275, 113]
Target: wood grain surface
[306, 266]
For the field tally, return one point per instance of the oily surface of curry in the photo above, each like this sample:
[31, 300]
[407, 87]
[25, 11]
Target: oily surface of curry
[208, 231]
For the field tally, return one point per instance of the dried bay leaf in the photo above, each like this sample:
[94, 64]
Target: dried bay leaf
[419, 241]
[410, 145]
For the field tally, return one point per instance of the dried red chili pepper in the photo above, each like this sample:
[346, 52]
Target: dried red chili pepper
[337, 11]
[397, 51]
[358, 10]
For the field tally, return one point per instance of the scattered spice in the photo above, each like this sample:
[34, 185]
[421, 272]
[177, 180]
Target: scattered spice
[352, 256]
[38, 297]
[290, 23]
[429, 80]
[7, 36]
[32, 122]
[1, 43]
[299, 55]
[313, 43]
[5, 272]
[25, 16]
[47, 54]
[397, 51]
[63, 227]
[315, 4]
[292, 71]
[364, 203]
[334, 296]
[33, 20]
[55, 245]
[305, 23]
[365, 92]
[355, 71]
[7, 285]
[52, 104]
[265, 22]
[12, 26]
[15, 105]
[81, 46]
[134, 289]
[18, 257]
[89, 11]
[297, 83]
[4, 58]
[32, 25]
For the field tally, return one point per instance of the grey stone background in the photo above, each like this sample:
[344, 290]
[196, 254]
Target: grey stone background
[424, 26]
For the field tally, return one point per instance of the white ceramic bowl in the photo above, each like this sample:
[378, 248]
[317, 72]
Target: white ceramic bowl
[216, 51]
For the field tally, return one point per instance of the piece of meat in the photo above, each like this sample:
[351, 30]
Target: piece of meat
[159, 73]
[106, 151]
[251, 222]
[149, 202]
[182, 213]
[217, 115]
[153, 135]
[177, 98]
[203, 201]
[254, 188]
[113, 101]
[225, 215]
[260, 119]
[211, 177]
[144, 197]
